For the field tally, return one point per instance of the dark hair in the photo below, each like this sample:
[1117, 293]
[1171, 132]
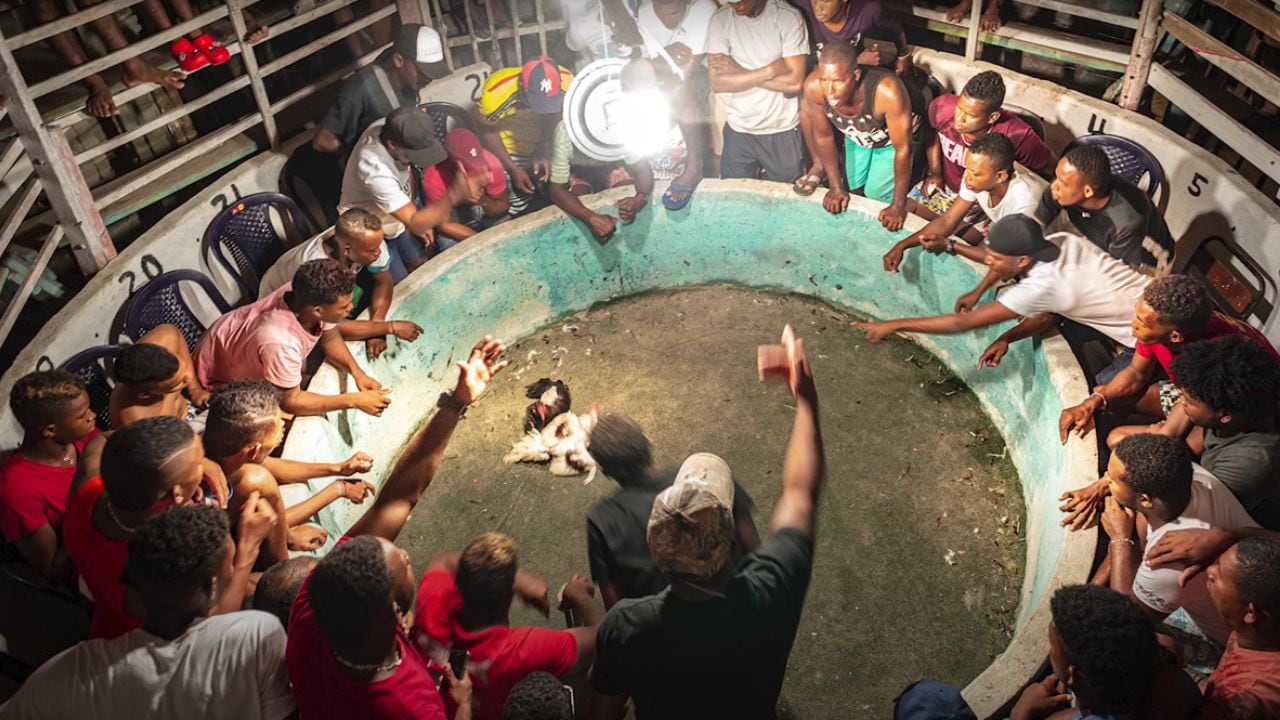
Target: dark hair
[356, 222]
[1092, 164]
[134, 456]
[539, 696]
[839, 53]
[144, 364]
[280, 584]
[1230, 374]
[1158, 466]
[1258, 574]
[1180, 301]
[620, 449]
[44, 398]
[240, 413]
[181, 547]
[1112, 642]
[996, 148]
[486, 574]
[987, 87]
[322, 282]
[349, 587]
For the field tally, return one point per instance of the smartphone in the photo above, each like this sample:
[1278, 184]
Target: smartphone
[458, 662]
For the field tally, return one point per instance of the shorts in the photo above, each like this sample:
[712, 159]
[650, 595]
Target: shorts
[1200, 653]
[870, 169]
[1169, 396]
[779, 155]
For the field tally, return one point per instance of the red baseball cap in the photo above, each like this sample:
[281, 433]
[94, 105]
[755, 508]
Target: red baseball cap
[540, 86]
[464, 148]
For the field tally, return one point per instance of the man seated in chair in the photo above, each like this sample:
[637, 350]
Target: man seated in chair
[465, 153]
[156, 376]
[357, 241]
[270, 340]
[53, 409]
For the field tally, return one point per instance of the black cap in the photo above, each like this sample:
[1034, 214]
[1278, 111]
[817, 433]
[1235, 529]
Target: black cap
[412, 130]
[1019, 235]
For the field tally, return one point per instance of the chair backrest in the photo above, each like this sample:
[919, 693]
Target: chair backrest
[161, 301]
[446, 117]
[246, 240]
[313, 180]
[91, 367]
[1028, 117]
[1128, 160]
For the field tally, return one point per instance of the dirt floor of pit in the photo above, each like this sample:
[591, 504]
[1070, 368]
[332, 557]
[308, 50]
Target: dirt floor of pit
[920, 554]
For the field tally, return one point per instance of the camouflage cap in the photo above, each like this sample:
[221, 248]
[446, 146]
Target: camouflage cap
[691, 527]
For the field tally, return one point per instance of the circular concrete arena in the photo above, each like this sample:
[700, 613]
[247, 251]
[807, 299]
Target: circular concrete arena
[928, 562]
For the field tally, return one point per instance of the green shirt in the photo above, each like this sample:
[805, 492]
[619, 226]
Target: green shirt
[1249, 464]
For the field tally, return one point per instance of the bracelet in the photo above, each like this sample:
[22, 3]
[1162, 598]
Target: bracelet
[1101, 397]
[951, 245]
[449, 401]
[393, 327]
[1124, 540]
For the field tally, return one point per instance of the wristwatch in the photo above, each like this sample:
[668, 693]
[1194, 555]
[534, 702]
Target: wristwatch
[951, 245]
[449, 401]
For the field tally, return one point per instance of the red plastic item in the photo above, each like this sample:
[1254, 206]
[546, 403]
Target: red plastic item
[211, 50]
[187, 55]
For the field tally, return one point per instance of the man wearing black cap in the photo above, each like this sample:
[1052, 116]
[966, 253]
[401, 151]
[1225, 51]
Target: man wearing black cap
[416, 58]
[1061, 276]
[379, 179]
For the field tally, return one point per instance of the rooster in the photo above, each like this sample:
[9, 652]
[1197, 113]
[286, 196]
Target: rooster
[554, 434]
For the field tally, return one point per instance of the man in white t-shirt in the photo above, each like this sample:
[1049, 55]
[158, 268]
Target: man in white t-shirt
[1062, 276]
[758, 50]
[357, 242]
[1156, 489]
[993, 183]
[181, 663]
[379, 179]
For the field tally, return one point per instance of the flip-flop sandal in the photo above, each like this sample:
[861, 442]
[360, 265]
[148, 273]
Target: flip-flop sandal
[806, 184]
[687, 190]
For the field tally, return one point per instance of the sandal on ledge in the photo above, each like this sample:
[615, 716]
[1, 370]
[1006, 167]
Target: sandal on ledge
[806, 184]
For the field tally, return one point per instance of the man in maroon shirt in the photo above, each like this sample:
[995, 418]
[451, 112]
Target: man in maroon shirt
[349, 653]
[53, 409]
[961, 119]
[1244, 584]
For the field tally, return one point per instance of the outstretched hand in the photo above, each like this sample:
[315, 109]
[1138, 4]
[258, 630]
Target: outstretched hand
[478, 369]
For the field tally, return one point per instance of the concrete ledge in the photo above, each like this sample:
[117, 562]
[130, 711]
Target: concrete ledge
[509, 281]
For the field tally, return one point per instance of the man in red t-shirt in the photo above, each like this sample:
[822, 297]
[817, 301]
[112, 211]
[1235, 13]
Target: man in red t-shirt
[465, 152]
[1174, 310]
[53, 409]
[464, 603]
[349, 654]
[961, 119]
[147, 466]
[1244, 584]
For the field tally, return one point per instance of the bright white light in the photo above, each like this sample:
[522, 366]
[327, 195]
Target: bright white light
[643, 120]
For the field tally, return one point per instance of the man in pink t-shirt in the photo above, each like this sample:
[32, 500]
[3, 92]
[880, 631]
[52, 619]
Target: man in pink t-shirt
[1244, 585]
[961, 119]
[464, 602]
[270, 340]
[465, 152]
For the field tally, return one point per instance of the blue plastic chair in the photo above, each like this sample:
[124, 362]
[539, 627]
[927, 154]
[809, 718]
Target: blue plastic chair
[446, 117]
[245, 241]
[1128, 160]
[91, 367]
[161, 301]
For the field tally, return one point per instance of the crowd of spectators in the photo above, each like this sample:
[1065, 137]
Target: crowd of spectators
[175, 521]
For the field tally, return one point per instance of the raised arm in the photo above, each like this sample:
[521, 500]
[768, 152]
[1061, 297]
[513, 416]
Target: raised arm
[418, 464]
[805, 465]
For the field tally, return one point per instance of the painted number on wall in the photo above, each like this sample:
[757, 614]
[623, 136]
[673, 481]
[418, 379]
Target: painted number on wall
[1194, 189]
[477, 81]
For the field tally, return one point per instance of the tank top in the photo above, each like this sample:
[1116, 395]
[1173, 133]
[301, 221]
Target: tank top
[866, 129]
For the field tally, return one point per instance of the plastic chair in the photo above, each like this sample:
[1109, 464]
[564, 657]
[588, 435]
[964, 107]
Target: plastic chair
[313, 180]
[1128, 160]
[49, 617]
[161, 301]
[1028, 117]
[446, 117]
[245, 241]
[91, 367]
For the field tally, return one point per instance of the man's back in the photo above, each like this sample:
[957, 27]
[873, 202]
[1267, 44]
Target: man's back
[229, 666]
[719, 658]
[364, 98]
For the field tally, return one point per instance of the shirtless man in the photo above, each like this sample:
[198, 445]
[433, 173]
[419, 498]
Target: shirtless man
[155, 377]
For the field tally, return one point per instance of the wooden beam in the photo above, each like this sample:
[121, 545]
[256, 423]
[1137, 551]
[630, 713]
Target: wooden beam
[235, 10]
[1227, 128]
[1220, 55]
[1144, 49]
[1260, 16]
[503, 34]
[68, 22]
[76, 74]
[297, 21]
[974, 31]
[1084, 11]
[19, 300]
[14, 221]
[326, 40]
[315, 87]
[57, 171]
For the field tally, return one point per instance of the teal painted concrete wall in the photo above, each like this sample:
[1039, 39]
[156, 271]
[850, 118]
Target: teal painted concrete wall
[524, 275]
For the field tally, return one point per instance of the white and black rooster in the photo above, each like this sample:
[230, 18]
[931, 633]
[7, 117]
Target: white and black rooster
[553, 434]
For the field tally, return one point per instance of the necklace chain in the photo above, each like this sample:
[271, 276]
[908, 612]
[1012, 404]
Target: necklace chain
[370, 669]
[115, 519]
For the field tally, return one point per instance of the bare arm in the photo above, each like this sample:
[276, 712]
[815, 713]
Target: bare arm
[293, 471]
[380, 298]
[326, 142]
[791, 81]
[805, 464]
[257, 519]
[297, 514]
[580, 601]
[892, 97]
[40, 550]
[938, 228]
[988, 314]
[811, 107]
[495, 205]
[418, 464]
[491, 139]
[728, 77]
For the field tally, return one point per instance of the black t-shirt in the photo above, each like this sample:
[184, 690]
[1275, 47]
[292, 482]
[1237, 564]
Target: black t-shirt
[1130, 228]
[361, 102]
[722, 658]
[617, 536]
